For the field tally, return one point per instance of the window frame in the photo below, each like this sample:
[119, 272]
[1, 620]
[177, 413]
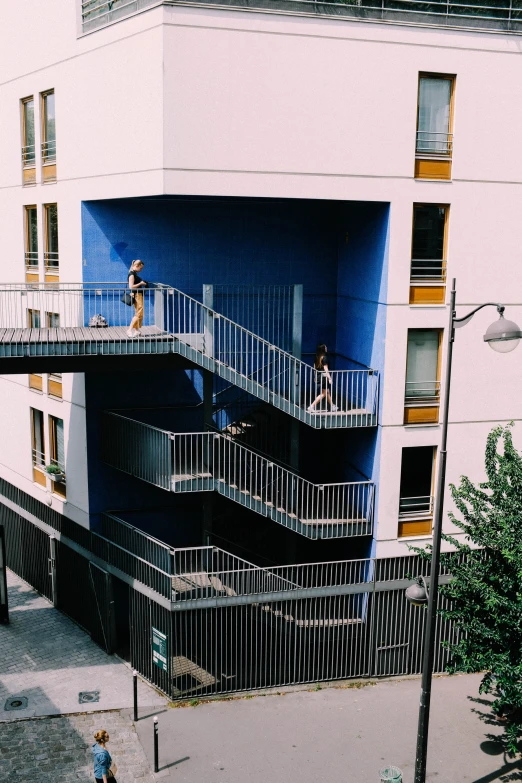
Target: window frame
[34, 451]
[415, 524]
[31, 255]
[430, 279]
[47, 157]
[423, 409]
[28, 163]
[52, 269]
[437, 155]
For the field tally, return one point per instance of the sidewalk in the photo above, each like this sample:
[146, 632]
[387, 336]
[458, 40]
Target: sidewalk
[335, 735]
[48, 660]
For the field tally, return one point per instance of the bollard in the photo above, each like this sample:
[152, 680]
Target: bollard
[391, 775]
[135, 687]
[156, 745]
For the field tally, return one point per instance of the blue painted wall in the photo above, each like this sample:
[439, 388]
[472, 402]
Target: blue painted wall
[337, 250]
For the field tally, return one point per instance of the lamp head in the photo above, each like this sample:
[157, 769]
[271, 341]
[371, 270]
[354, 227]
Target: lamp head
[417, 594]
[503, 335]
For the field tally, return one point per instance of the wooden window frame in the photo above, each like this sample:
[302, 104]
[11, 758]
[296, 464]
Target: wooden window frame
[30, 324]
[416, 412]
[32, 270]
[36, 381]
[48, 160]
[435, 165]
[423, 292]
[423, 525]
[28, 167]
[51, 272]
[39, 473]
[54, 386]
[58, 487]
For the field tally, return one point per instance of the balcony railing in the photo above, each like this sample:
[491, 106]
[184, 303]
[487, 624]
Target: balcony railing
[422, 392]
[434, 143]
[51, 262]
[175, 323]
[504, 16]
[415, 507]
[204, 461]
[49, 151]
[431, 270]
[28, 156]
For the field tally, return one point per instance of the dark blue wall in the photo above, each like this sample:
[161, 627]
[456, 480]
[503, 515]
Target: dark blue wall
[337, 250]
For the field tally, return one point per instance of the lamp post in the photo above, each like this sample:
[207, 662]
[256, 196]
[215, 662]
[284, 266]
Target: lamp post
[502, 336]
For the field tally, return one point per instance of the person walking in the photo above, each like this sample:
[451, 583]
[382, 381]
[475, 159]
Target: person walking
[323, 378]
[136, 285]
[104, 769]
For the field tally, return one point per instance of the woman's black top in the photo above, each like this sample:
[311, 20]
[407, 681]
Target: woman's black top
[137, 278]
[324, 360]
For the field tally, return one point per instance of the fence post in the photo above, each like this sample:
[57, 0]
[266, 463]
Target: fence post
[208, 319]
[135, 694]
[4, 607]
[52, 570]
[156, 745]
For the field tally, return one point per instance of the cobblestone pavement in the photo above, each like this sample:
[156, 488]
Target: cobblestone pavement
[58, 749]
[47, 659]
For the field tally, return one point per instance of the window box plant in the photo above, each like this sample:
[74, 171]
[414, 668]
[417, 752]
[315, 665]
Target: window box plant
[55, 473]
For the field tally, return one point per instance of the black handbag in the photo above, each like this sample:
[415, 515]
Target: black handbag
[127, 299]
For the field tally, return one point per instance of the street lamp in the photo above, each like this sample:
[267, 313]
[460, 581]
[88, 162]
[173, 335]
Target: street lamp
[503, 336]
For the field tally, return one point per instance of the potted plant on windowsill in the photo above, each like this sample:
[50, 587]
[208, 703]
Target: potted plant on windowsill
[55, 473]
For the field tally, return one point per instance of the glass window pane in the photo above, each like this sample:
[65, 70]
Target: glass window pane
[422, 363]
[428, 251]
[416, 480]
[51, 235]
[58, 441]
[31, 237]
[49, 118]
[33, 319]
[38, 437]
[53, 320]
[434, 113]
[28, 126]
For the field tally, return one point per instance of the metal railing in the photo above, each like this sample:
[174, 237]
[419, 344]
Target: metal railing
[51, 260]
[438, 143]
[503, 16]
[422, 392]
[206, 461]
[431, 270]
[265, 310]
[175, 322]
[29, 156]
[31, 261]
[415, 506]
[49, 151]
[38, 458]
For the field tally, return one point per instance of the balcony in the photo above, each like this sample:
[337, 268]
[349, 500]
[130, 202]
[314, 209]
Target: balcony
[504, 16]
[212, 461]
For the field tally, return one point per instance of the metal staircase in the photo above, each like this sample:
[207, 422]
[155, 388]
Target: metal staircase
[177, 324]
[212, 461]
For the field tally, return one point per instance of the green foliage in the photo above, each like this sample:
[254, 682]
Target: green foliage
[486, 589]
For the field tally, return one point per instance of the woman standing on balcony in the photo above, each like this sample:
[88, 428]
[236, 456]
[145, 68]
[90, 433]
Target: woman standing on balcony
[323, 379]
[136, 284]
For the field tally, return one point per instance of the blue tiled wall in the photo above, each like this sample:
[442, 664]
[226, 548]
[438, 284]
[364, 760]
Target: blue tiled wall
[337, 250]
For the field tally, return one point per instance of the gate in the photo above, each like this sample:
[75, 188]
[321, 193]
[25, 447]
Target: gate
[103, 629]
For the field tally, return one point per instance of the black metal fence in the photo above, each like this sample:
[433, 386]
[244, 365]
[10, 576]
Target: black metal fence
[220, 639]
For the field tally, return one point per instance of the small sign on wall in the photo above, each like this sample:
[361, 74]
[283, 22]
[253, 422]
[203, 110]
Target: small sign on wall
[159, 649]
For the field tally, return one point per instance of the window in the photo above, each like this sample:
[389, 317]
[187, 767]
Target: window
[416, 491]
[36, 381]
[38, 446]
[428, 254]
[28, 142]
[422, 376]
[54, 385]
[31, 244]
[57, 449]
[434, 141]
[51, 258]
[48, 137]
[33, 319]
[52, 320]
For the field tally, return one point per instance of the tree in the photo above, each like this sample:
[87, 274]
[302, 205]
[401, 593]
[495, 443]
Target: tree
[485, 591]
